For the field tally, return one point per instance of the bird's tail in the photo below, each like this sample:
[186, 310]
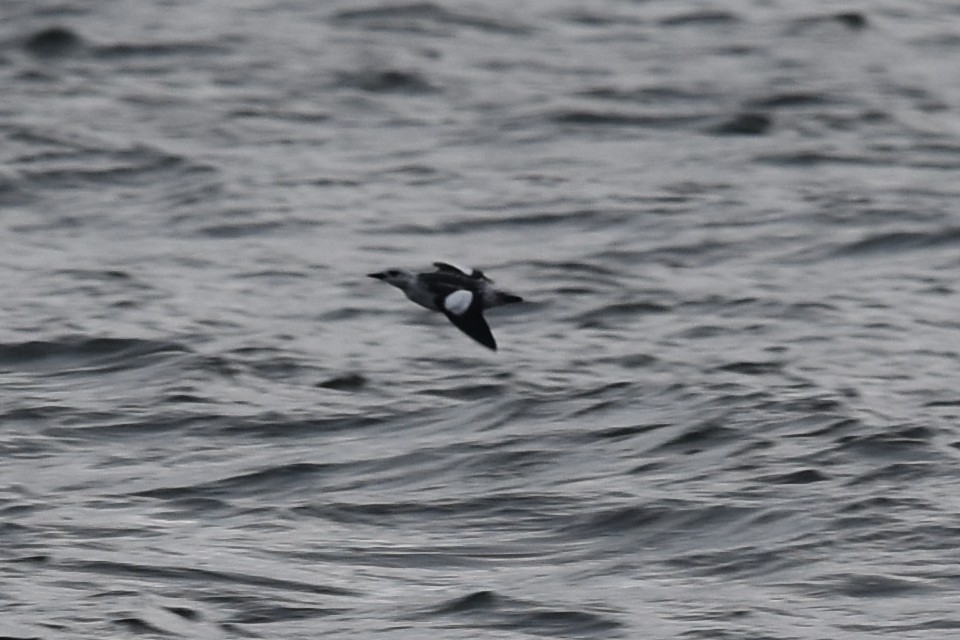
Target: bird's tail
[505, 298]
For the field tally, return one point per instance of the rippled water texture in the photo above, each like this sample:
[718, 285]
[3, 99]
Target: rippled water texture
[728, 408]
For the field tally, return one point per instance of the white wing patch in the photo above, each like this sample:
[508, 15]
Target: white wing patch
[458, 302]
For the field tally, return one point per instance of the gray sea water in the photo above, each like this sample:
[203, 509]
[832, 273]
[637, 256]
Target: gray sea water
[728, 409]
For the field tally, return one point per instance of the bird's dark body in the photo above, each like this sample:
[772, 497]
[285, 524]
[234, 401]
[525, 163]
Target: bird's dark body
[444, 283]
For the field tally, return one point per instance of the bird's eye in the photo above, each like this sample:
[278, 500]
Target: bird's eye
[393, 272]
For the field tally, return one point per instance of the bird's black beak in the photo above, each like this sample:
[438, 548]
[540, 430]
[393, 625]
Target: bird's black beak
[378, 276]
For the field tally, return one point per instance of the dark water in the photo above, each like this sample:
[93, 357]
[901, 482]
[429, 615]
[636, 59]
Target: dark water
[728, 410]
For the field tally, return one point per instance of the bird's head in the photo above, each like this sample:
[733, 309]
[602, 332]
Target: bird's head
[400, 278]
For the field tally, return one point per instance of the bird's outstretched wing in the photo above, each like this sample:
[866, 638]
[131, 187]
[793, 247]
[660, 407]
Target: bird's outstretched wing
[474, 274]
[465, 310]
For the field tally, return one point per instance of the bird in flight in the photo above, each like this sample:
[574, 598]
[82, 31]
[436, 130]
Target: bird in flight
[458, 293]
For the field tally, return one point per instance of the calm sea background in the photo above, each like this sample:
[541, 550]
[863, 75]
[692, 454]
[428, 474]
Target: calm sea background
[730, 408]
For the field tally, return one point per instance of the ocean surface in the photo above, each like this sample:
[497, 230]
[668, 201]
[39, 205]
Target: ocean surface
[728, 409]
